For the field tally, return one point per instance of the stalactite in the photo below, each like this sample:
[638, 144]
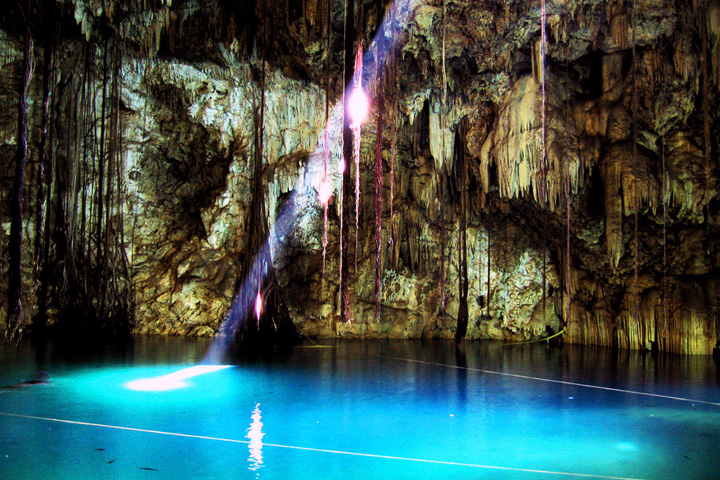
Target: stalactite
[514, 145]
[378, 204]
[619, 28]
[15, 247]
[713, 28]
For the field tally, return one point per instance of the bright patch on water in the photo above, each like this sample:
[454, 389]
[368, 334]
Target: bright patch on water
[626, 447]
[174, 380]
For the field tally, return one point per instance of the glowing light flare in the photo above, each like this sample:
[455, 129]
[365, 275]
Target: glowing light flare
[358, 107]
[174, 380]
[341, 165]
[325, 192]
[258, 305]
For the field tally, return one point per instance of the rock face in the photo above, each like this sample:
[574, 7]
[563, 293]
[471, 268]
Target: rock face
[189, 132]
[592, 187]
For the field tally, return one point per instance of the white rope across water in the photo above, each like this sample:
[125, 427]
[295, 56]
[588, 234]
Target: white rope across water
[318, 450]
[563, 382]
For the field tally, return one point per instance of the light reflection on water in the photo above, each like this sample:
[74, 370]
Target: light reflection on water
[357, 410]
[255, 434]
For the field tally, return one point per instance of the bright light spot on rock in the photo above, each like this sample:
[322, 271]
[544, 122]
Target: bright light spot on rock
[258, 305]
[325, 192]
[358, 107]
[174, 380]
[341, 165]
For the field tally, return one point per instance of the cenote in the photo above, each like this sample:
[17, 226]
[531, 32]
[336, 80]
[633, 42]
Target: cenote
[359, 409]
[486, 232]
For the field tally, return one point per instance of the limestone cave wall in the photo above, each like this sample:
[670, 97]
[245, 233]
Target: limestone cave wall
[589, 205]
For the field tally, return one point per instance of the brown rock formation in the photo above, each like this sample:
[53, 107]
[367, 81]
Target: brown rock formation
[631, 128]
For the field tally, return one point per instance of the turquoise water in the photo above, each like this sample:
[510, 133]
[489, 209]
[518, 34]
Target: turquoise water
[359, 410]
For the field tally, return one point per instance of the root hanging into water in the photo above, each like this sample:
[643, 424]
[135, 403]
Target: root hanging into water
[441, 193]
[568, 208]
[348, 73]
[15, 247]
[327, 135]
[463, 283]
[357, 135]
[378, 206]
[393, 126]
[664, 230]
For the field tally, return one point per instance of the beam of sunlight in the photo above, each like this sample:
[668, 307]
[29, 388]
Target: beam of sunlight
[173, 380]
[309, 189]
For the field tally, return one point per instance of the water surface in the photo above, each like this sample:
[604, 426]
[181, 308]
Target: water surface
[359, 410]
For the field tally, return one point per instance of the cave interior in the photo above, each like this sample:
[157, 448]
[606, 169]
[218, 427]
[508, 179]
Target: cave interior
[526, 171]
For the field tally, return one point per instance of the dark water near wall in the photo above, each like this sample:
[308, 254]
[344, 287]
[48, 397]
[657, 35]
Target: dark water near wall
[358, 410]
